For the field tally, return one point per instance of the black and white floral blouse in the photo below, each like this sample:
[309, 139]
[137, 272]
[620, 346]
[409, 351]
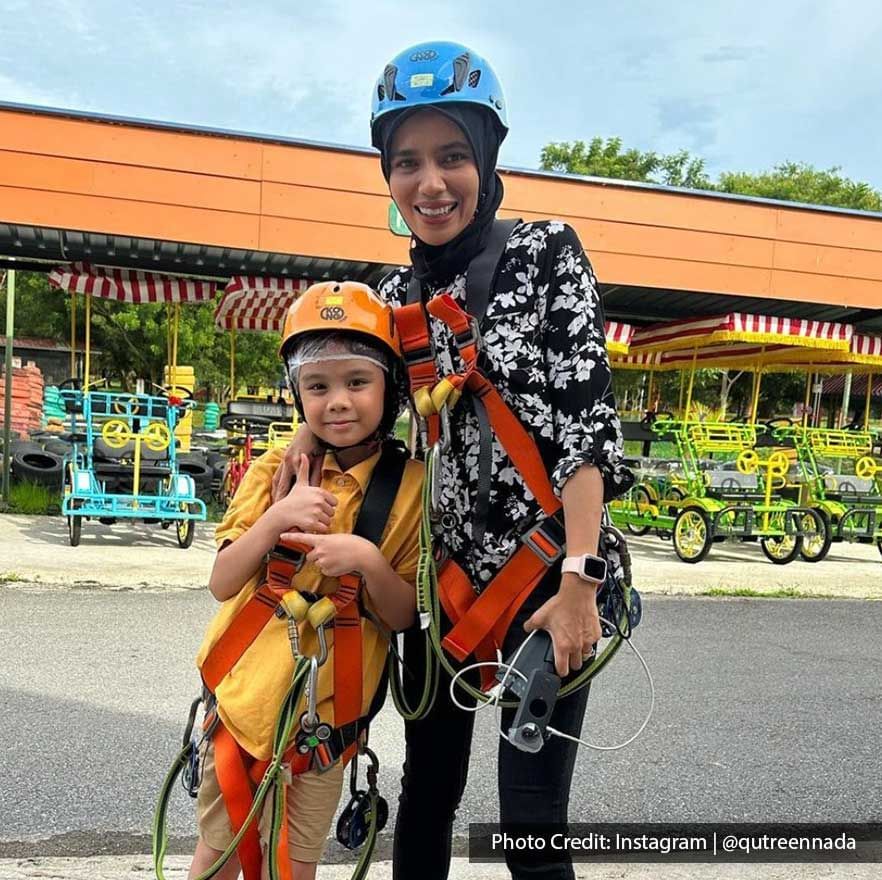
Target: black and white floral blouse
[544, 348]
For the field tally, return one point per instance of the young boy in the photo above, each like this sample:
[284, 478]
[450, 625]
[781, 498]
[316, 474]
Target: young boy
[343, 360]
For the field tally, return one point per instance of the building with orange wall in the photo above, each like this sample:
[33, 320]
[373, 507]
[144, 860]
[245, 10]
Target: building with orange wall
[211, 203]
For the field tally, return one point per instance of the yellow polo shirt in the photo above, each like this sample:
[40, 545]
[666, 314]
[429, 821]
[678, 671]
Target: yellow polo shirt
[251, 695]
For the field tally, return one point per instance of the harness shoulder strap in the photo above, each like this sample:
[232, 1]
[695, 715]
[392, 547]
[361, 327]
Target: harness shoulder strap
[380, 493]
[483, 268]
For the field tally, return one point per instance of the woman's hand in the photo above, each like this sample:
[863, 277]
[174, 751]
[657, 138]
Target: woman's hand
[336, 555]
[305, 508]
[302, 444]
[572, 620]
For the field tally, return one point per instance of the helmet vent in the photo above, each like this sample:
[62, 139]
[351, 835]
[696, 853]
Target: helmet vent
[381, 92]
[474, 78]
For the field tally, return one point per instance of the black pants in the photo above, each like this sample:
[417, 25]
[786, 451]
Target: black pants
[533, 788]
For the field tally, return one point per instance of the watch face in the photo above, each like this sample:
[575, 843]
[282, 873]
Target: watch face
[593, 569]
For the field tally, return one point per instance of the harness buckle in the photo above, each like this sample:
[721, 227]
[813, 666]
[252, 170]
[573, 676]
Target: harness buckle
[546, 538]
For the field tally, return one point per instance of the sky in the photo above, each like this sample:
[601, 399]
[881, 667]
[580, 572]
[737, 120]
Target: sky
[743, 85]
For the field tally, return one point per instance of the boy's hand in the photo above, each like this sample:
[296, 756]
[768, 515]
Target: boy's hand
[306, 508]
[336, 555]
[303, 443]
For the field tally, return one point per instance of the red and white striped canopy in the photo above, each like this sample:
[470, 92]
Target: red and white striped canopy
[257, 304]
[618, 337]
[737, 327]
[130, 285]
[836, 385]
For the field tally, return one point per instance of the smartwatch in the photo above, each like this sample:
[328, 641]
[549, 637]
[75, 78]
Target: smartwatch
[588, 566]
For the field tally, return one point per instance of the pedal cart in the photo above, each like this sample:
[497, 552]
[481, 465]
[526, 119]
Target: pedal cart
[841, 477]
[123, 462]
[734, 489]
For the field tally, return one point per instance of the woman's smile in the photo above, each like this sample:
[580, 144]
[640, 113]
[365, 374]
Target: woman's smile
[434, 179]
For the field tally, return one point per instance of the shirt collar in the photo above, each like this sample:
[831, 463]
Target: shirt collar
[360, 472]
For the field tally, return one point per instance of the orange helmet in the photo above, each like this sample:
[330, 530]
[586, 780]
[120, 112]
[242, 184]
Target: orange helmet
[345, 306]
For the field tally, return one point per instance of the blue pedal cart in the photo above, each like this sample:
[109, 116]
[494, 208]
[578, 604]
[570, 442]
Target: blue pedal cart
[123, 463]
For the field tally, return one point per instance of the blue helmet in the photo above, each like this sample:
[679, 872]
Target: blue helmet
[437, 73]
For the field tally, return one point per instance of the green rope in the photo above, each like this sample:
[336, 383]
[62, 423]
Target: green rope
[428, 601]
[284, 726]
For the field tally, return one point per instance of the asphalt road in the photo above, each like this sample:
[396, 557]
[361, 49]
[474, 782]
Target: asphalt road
[766, 710]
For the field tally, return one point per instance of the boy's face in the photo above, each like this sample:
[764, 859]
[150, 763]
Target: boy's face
[343, 400]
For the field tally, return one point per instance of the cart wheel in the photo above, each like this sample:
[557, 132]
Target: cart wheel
[640, 503]
[185, 528]
[676, 495]
[74, 529]
[879, 545]
[692, 534]
[165, 524]
[817, 537]
[783, 549]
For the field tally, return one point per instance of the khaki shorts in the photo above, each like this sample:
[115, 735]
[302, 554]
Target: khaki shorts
[312, 802]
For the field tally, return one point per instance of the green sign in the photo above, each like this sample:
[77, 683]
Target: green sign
[396, 221]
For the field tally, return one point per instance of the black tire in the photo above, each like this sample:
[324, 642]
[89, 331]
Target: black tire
[814, 550]
[196, 467]
[879, 546]
[692, 534]
[185, 529]
[165, 525]
[216, 459]
[74, 529]
[38, 466]
[674, 494]
[57, 447]
[641, 499]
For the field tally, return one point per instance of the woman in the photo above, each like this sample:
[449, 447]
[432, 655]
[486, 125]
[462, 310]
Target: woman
[438, 120]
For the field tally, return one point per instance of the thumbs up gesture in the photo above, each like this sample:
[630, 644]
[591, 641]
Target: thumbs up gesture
[305, 508]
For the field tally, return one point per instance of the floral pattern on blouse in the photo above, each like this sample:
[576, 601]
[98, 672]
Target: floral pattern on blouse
[544, 348]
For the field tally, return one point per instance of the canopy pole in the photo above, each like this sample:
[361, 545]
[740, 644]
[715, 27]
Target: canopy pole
[691, 383]
[88, 341]
[174, 360]
[809, 381]
[682, 388]
[846, 399]
[867, 404]
[650, 389]
[233, 364]
[73, 334]
[168, 320]
[758, 378]
[7, 400]
[754, 407]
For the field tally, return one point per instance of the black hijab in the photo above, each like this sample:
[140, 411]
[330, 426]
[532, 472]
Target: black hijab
[439, 264]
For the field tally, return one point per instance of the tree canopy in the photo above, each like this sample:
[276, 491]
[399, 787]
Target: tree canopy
[788, 181]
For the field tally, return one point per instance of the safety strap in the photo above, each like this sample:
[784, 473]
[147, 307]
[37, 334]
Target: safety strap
[483, 268]
[239, 774]
[480, 622]
[285, 562]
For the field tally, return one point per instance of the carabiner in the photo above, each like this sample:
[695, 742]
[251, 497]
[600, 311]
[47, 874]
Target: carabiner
[310, 721]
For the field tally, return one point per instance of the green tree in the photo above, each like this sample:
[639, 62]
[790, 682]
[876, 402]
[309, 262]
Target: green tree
[606, 158]
[800, 182]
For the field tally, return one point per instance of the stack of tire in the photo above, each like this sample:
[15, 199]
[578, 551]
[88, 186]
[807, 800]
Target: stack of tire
[53, 407]
[211, 419]
[219, 462]
[197, 466]
[36, 462]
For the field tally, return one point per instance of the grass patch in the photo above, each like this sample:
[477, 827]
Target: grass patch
[783, 593]
[33, 499]
[10, 577]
